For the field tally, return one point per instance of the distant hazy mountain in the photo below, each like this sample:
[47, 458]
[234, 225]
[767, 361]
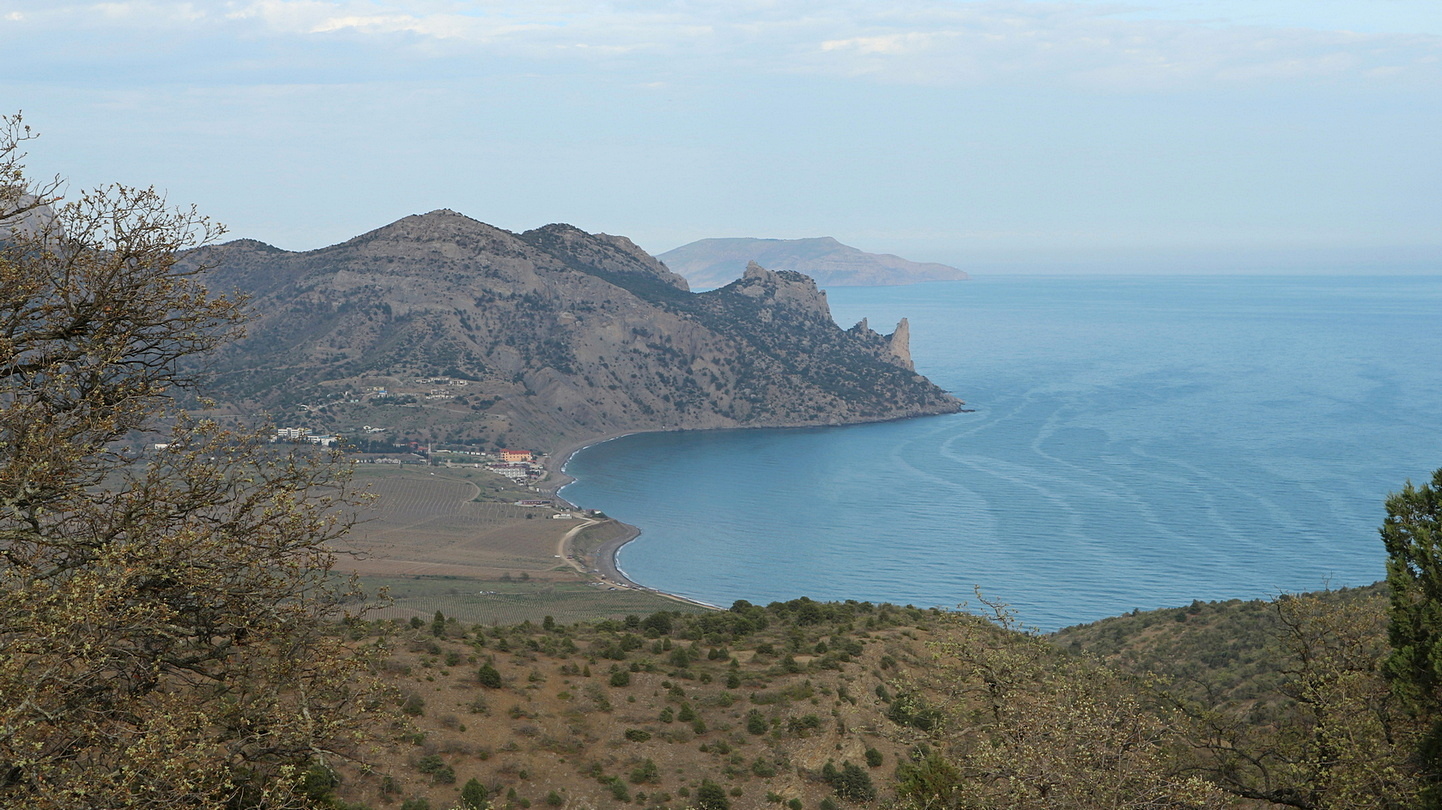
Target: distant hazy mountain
[439, 327]
[713, 263]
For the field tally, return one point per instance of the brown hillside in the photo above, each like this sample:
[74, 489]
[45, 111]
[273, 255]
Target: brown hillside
[439, 328]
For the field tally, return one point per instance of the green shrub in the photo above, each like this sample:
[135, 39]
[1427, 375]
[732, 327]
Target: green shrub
[489, 676]
[645, 772]
[850, 782]
[711, 796]
[637, 734]
[318, 782]
[756, 722]
[473, 795]
[802, 725]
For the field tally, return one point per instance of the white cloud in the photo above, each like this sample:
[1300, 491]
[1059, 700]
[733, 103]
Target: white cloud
[904, 44]
[905, 41]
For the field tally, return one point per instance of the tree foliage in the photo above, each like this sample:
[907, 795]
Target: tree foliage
[1028, 726]
[1412, 534]
[1334, 736]
[167, 616]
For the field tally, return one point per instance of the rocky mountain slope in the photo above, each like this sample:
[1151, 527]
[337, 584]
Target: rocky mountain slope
[715, 262]
[441, 328]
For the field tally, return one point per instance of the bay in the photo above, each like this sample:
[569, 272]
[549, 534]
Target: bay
[1136, 442]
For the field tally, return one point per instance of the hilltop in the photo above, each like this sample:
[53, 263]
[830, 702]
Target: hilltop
[440, 328]
[715, 262]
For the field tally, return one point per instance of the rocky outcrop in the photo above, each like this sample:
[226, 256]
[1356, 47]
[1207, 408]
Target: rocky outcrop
[794, 292]
[477, 334]
[899, 344]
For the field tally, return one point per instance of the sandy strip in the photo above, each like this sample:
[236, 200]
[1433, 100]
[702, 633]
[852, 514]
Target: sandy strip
[605, 561]
[606, 554]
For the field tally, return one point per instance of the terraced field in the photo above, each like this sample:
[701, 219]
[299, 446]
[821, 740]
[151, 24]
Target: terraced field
[428, 521]
[451, 539]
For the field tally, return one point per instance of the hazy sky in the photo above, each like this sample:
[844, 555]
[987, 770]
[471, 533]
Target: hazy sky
[997, 136]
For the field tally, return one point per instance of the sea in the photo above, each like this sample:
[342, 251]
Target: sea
[1131, 442]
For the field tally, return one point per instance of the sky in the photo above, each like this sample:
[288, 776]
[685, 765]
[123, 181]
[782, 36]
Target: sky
[999, 136]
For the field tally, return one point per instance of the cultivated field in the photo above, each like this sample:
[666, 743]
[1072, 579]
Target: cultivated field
[431, 521]
[451, 539]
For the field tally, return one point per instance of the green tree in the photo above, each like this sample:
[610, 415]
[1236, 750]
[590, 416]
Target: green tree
[1332, 736]
[711, 796]
[473, 795]
[1029, 727]
[166, 615]
[489, 676]
[1412, 534]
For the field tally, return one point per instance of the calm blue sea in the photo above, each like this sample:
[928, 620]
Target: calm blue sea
[1137, 442]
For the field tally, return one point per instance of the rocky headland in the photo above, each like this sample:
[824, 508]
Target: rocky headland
[440, 328]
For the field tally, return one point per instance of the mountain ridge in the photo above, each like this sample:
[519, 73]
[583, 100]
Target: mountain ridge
[441, 328]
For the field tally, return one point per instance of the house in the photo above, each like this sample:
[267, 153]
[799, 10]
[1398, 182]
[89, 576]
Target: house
[514, 456]
[515, 472]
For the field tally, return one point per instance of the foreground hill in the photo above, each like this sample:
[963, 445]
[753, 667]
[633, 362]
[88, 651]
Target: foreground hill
[441, 328]
[643, 712]
[715, 262]
[826, 705]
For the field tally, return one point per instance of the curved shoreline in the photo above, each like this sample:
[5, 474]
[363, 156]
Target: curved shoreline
[605, 565]
[605, 562]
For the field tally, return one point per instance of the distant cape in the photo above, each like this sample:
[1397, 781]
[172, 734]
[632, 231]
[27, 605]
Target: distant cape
[711, 263]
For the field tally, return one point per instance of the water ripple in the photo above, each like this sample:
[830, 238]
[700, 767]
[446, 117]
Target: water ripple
[1136, 443]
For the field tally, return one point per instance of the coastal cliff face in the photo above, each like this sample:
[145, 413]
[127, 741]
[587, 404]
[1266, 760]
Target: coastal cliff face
[441, 328]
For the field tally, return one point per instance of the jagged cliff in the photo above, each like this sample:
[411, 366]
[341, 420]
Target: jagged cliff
[442, 328]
